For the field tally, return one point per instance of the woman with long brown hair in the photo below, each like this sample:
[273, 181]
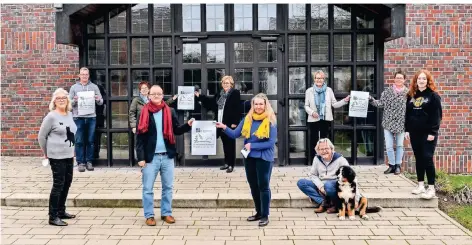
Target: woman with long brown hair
[422, 122]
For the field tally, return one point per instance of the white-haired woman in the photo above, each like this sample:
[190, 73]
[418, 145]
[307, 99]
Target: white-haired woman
[57, 138]
[321, 185]
[319, 100]
[259, 130]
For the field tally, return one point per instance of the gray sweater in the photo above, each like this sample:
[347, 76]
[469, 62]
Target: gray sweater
[57, 135]
[78, 87]
[321, 172]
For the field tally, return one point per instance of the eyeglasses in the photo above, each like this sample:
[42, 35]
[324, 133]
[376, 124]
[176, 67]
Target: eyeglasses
[324, 149]
[156, 95]
[61, 98]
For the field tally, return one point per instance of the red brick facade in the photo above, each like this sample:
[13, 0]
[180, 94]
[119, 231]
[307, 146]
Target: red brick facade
[438, 37]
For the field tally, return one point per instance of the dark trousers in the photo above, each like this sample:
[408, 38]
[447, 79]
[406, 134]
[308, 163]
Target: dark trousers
[258, 174]
[229, 149]
[62, 173]
[424, 153]
[318, 130]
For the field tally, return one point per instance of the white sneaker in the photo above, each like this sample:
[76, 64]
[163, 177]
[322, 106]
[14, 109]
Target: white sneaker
[419, 190]
[430, 193]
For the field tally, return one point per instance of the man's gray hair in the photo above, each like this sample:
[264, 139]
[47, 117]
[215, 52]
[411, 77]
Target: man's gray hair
[324, 140]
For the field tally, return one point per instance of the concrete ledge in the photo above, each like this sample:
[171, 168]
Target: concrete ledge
[208, 200]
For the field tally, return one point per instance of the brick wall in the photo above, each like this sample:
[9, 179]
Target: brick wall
[33, 66]
[439, 38]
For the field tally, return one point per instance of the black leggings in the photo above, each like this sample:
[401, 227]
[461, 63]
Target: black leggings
[424, 154]
[229, 149]
[62, 173]
[322, 128]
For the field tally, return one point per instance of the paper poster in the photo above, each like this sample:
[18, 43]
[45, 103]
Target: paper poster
[203, 138]
[358, 104]
[86, 102]
[186, 98]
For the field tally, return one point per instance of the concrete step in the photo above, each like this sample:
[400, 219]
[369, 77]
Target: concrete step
[208, 200]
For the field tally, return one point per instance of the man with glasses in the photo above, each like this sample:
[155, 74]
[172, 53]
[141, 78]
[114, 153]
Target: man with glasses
[85, 135]
[155, 148]
[321, 187]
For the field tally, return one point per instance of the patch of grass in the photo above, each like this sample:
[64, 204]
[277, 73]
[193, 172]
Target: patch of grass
[463, 215]
[459, 181]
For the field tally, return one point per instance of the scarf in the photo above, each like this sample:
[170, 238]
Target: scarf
[398, 90]
[222, 100]
[320, 100]
[148, 108]
[144, 98]
[261, 132]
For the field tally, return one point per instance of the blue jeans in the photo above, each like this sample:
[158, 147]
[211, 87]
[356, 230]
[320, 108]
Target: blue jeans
[84, 139]
[399, 137]
[309, 188]
[258, 174]
[165, 165]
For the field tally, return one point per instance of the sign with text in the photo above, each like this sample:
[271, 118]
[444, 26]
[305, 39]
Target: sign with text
[203, 138]
[86, 102]
[185, 98]
[358, 104]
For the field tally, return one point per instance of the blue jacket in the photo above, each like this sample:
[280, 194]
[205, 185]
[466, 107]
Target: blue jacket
[260, 148]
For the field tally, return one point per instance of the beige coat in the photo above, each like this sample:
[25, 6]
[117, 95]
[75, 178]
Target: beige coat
[331, 101]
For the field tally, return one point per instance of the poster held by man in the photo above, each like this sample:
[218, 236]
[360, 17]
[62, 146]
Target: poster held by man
[86, 102]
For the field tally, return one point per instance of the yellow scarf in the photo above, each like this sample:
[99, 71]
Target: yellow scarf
[262, 131]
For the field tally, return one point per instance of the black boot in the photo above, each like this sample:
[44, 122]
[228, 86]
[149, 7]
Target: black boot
[254, 217]
[230, 169]
[57, 222]
[390, 169]
[264, 221]
[226, 166]
[398, 169]
[66, 216]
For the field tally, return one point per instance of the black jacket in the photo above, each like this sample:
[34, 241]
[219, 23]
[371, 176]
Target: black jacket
[231, 111]
[146, 143]
[423, 113]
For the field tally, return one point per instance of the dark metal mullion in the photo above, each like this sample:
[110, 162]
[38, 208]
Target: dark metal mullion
[203, 27]
[379, 58]
[229, 15]
[129, 83]
[256, 66]
[255, 17]
[108, 90]
[331, 59]
[354, 77]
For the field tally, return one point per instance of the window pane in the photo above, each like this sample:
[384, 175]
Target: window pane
[96, 52]
[139, 18]
[267, 52]
[215, 14]
[118, 55]
[342, 17]
[371, 117]
[342, 142]
[119, 114]
[101, 149]
[319, 48]
[243, 80]
[140, 51]
[342, 79]
[341, 115]
[342, 47]
[319, 16]
[97, 26]
[162, 50]
[365, 47]
[314, 69]
[365, 21]
[119, 82]
[365, 79]
[120, 144]
[138, 76]
[163, 78]
[214, 80]
[193, 77]
[192, 53]
[243, 53]
[162, 20]
[267, 16]
[296, 80]
[268, 81]
[297, 17]
[243, 17]
[191, 17]
[365, 143]
[297, 144]
[216, 53]
[297, 114]
[117, 23]
[297, 48]
[98, 77]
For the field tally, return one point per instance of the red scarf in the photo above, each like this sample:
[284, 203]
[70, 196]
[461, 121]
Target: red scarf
[143, 126]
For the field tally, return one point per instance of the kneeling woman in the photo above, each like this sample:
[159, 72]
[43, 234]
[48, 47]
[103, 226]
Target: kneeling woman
[260, 132]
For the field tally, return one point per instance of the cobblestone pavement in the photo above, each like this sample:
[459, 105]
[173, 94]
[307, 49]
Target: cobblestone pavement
[228, 227]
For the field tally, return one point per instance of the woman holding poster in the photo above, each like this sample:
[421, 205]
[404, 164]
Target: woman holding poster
[226, 106]
[259, 130]
[318, 102]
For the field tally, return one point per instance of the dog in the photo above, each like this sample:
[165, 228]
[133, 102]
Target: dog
[350, 200]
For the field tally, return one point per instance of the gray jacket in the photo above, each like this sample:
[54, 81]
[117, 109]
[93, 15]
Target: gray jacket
[135, 111]
[78, 87]
[321, 172]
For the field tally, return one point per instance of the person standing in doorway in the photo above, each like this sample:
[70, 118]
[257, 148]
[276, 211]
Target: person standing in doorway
[319, 100]
[226, 106]
[156, 150]
[422, 121]
[84, 138]
[393, 100]
[137, 105]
